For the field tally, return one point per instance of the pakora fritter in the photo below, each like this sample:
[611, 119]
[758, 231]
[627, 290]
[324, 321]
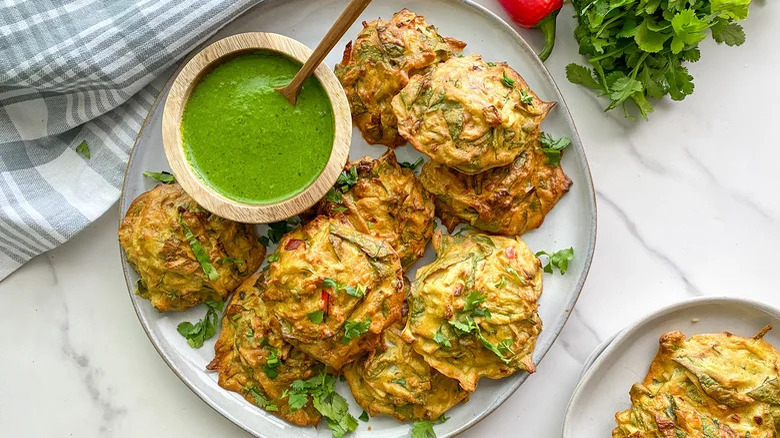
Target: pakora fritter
[387, 202]
[709, 386]
[473, 311]
[154, 237]
[470, 114]
[253, 359]
[378, 65]
[333, 289]
[396, 381]
[507, 200]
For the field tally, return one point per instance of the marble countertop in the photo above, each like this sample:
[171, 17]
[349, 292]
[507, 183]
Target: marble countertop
[688, 206]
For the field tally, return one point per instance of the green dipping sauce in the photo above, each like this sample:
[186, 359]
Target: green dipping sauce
[245, 140]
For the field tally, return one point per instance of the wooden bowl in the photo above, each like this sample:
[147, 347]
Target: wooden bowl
[200, 65]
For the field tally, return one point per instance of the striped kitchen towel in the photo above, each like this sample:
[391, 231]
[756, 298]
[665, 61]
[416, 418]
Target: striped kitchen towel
[74, 71]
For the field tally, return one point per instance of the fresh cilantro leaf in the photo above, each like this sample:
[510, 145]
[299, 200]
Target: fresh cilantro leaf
[412, 166]
[199, 252]
[501, 283]
[424, 428]
[464, 326]
[334, 196]
[440, 338]
[260, 399]
[480, 312]
[271, 367]
[363, 417]
[163, 177]
[578, 74]
[559, 259]
[331, 405]
[273, 258]
[347, 178]
[473, 299]
[688, 30]
[401, 382]
[622, 87]
[526, 97]
[330, 283]
[278, 229]
[203, 330]
[514, 272]
[316, 317]
[493, 348]
[730, 33]
[83, 150]
[730, 9]
[507, 81]
[505, 346]
[354, 329]
[552, 147]
[648, 39]
[357, 292]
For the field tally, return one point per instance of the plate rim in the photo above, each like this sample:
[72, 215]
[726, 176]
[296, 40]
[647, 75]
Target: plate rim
[569, 305]
[641, 323]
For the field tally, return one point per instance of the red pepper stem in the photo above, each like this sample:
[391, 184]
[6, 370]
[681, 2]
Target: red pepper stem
[547, 25]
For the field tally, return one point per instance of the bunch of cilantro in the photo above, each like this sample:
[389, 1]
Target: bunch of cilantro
[637, 48]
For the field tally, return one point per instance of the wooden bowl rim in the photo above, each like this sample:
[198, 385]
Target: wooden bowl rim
[202, 63]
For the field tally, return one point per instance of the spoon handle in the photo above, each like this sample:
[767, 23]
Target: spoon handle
[339, 28]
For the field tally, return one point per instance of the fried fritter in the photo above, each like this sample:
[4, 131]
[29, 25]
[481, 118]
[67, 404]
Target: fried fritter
[709, 386]
[396, 381]
[378, 65]
[470, 114]
[507, 200]
[333, 289]
[171, 276]
[387, 202]
[253, 360]
[473, 311]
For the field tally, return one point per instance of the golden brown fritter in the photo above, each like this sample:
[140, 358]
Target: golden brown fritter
[709, 386]
[333, 290]
[253, 360]
[470, 114]
[473, 311]
[387, 202]
[396, 381]
[507, 200]
[378, 65]
[171, 276]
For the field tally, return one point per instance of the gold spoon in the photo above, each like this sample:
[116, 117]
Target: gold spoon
[345, 20]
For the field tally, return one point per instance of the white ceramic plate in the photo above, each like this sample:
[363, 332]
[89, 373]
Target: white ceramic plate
[603, 390]
[571, 223]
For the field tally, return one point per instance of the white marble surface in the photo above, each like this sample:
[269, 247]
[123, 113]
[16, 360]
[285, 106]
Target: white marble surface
[688, 205]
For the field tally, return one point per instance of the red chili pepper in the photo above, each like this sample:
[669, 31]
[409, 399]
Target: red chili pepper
[293, 244]
[325, 296]
[510, 252]
[536, 14]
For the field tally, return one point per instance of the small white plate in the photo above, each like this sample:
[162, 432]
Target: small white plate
[603, 390]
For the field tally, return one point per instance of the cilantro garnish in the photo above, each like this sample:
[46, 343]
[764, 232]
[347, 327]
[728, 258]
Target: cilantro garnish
[506, 80]
[316, 317]
[204, 329]
[278, 229]
[345, 181]
[559, 259]
[354, 329]
[637, 50]
[260, 399]
[465, 324]
[357, 292]
[271, 367]
[200, 253]
[552, 147]
[363, 417]
[526, 97]
[163, 177]
[412, 166]
[424, 428]
[332, 406]
[83, 150]
[440, 338]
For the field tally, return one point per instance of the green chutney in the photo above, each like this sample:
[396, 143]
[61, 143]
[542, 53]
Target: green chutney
[246, 141]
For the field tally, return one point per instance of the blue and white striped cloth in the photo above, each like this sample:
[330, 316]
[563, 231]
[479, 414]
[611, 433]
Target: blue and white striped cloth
[76, 70]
